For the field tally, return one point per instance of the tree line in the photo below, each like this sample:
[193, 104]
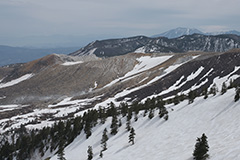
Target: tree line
[23, 143]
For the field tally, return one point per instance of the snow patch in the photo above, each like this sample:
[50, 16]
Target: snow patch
[16, 81]
[72, 63]
[145, 63]
[140, 50]
[194, 75]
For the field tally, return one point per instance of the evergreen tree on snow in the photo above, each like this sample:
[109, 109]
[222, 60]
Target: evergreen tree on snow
[114, 125]
[151, 114]
[90, 153]
[214, 89]
[191, 96]
[237, 95]
[101, 154]
[224, 88]
[205, 93]
[128, 125]
[61, 151]
[201, 148]
[162, 112]
[132, 136]
[176, 99]
[104, 140]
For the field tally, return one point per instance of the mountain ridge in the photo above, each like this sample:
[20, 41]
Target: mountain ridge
[142, 44]
[178, 32]
[64, 96]
[181, 31]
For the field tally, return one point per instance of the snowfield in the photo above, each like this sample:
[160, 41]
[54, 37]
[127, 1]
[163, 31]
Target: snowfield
[16, 81]
[174, 139]
[145, 63]
[72, 63]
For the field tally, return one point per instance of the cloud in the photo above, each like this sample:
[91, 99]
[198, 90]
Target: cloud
[125, 17]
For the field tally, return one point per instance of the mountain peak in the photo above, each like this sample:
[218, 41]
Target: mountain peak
[178, 32]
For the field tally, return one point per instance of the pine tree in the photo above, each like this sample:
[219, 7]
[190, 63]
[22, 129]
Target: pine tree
[237, 95]
[162, 111]
[128, 125]
[151, 114]
[224, 88]
[231, 85]
[61, 151]
[132, 136]
[88, 129]
[104, 140]
[191, 96]
[135, 117]
[124, 109]
[101, 154]
[90, 153]
[205, 93]
[166, 117]
[119, 123]
[201, 148]
[176, 99]
[114, 125]
[214, 89]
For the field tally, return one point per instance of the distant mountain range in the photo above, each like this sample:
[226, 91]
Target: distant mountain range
[142, 44]
[11, 55]
[165, 42]
[180, 31]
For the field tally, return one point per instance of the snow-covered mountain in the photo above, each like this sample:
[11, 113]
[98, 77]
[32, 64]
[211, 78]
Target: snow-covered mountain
[64, 95]
[178, 32]
[224, 32]
[142, 44]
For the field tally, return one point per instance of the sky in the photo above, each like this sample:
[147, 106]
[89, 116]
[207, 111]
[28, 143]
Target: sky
[90, 19]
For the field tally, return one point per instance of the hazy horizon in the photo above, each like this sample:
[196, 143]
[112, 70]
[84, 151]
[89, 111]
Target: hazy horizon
[83, 21]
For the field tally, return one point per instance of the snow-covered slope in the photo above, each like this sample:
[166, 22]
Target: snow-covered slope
[174, 139]
[178, 32]
[128, 78]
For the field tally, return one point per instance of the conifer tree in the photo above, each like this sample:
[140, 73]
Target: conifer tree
[132, 136]
[162, 111]
[191, 96]
[88, 129]
[166, 117]
[176, 99]
[224, 88]
[102, 115]
[237, 95]
[61, 151]
[90, 153]
[119, 122]
[124, 109]
[101, 154]
[231, 85]
[135, 117]
[205, 93]
[151, 114]
[114, 125]
[214, 89]
[201, 148]
[128, 125]
[104, 140]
